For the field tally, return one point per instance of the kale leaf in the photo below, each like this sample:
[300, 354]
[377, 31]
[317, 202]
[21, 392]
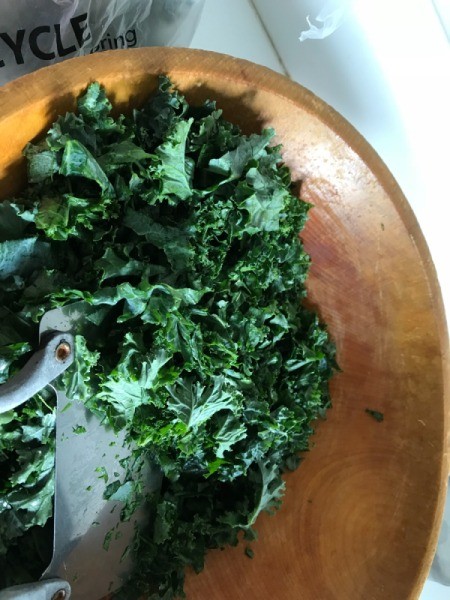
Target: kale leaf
[177, 238]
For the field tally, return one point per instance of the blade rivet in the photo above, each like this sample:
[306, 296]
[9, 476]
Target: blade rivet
[60, 595]
[62, 353]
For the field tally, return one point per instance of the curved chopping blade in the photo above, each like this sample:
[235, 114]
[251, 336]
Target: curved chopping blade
[90, 540]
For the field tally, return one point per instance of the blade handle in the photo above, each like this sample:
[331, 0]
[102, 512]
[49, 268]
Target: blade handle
[52, 359]
[48, 589]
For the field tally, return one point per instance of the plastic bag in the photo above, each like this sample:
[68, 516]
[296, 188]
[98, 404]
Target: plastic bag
[37, 33]
[330, 18]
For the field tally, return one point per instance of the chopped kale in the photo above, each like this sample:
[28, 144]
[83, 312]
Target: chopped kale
[179, 234]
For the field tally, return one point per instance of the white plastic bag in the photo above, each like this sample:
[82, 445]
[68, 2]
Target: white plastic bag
[36, 33]
[329, 19]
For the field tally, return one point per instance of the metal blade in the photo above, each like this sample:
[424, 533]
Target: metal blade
[83, 518]
[72, 317]
[89, 538]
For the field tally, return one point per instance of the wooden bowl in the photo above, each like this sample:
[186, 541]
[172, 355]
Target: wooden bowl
[361, 515]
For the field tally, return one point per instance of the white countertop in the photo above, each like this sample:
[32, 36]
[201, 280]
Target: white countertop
[386, 69]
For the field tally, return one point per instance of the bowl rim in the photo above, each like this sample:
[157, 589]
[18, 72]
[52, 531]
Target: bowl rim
[33, 87]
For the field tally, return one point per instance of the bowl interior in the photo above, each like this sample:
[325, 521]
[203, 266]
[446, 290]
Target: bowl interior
[361, 515]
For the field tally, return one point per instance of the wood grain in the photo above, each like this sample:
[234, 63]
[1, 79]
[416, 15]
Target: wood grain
[361, 515]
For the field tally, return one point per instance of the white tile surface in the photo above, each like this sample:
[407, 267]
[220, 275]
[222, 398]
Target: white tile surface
[233, 27]
[435, 591]
[399, 100]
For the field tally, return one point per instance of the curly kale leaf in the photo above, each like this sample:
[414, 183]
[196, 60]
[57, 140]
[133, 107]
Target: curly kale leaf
[175, 237]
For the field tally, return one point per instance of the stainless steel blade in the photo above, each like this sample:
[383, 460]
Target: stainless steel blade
[83, 518]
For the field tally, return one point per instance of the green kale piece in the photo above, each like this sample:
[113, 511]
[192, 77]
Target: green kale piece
[179, 235]
[377, 415]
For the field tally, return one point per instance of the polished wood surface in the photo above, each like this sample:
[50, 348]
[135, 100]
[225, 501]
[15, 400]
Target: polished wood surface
[361, 515]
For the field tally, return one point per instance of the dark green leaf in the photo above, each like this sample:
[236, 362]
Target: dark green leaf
[378, 416]
[22, 257]
[173, 240]
[77, 160]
